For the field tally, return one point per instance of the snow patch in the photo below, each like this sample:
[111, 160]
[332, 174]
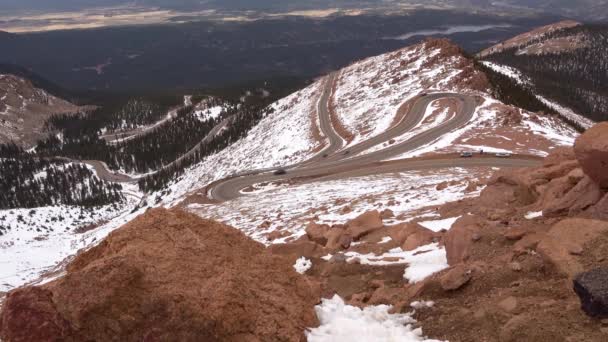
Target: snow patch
[302, 265]
[439, 225]
[345, 323]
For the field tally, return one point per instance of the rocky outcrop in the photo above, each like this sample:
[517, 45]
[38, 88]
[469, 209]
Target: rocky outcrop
[591, 150]
[167, 275]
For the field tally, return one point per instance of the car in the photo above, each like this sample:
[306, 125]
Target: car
[346, 153]
[325, 155]
[503, 155]
[279, 172]
[466, 154]
[423, 94]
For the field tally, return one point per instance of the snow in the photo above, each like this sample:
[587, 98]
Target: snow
[290, 209]
[209, 113]
[302, 265]
[281, 138]
[345, 323]
[533, 214]
[439, 225]
[422, 304]
[372, 90]
[421, 262]
[385, 239]
[40, 239]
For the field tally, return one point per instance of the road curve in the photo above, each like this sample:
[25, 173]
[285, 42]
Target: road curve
[352, 162]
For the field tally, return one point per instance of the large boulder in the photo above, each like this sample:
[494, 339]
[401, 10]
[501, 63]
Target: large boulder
[591, 150]
[167, 275]
[459, 239]
[567, 238]
[364, 224]
[592, 289]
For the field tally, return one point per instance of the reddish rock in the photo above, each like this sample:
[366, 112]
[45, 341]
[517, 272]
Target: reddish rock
[387, 214]
[400, 233]
[514, 234]
[600, 210]
[591, 150]
[316, 232]
[455, 278]
[584, 195]
[364, 224]
[420, 237]
[29, 314]
[566, 237]
[297, 249]
[167, 276]
[337, 239]
[458, 240]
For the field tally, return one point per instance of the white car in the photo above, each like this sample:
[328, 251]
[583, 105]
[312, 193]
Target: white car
[503, 155]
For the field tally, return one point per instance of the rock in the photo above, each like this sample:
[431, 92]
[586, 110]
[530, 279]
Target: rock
[584, 195]
[167, 275]
[459, 239]
[592, 289]
[277, 234]
[515, 266]
[567, 236]
[298, 249]
[441, 186]
[514, 234]
[316, 232]
[364, 224]
[387, 214]
[600, 210]
[30, 315]
[419, 238]
[508, 304]
[337, 238]
[591, 150]
[455, 278]
[400, 233]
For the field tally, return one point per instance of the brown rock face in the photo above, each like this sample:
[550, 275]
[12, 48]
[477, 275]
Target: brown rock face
[566, 239]
[591, 150]
[167, 275]
[459, 239]
[316, 232]
[585, 194]
[455, 278]
[365, 224]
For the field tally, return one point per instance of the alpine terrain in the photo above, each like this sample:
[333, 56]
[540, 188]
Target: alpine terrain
[424, 194]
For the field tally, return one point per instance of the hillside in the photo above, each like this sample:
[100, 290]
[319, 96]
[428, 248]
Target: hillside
[24, 109]
[338, 148]
[576, 54]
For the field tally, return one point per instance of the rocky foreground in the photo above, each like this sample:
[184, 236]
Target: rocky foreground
[514, 254]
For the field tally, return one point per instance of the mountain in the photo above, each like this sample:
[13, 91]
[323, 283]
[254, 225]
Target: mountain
[24, 108]
[569, 51]
[410, 179]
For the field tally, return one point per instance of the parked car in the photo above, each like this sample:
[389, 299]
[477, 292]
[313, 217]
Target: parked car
[466, 154]
[279, 172]
[503, 155]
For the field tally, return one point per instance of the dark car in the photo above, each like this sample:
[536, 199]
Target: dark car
[346, 153]
[279, 172]
[424, 94]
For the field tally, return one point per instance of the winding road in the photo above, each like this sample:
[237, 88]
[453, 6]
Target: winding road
[336, 162]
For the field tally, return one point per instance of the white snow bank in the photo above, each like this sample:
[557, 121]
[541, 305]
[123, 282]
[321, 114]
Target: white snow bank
[439, 225]
[422, 261]
[341, 322]
[302, 265]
